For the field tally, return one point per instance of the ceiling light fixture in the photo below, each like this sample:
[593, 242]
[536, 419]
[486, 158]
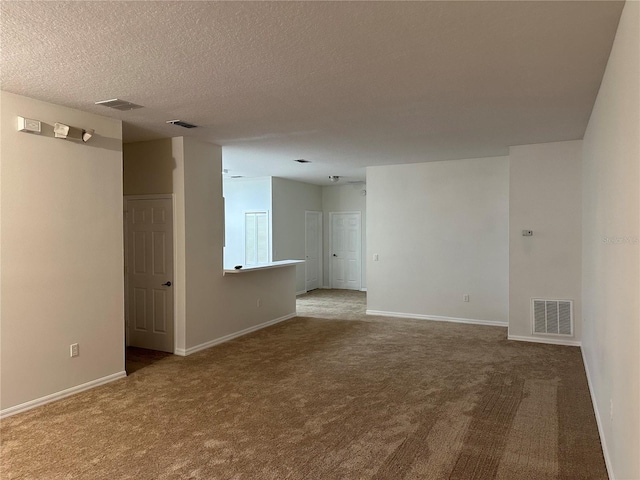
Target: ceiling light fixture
[334, 178]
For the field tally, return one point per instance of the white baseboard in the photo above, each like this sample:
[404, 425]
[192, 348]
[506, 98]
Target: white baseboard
[437, 318]
[363, 289]
[23, 407]
[184, 352]
[552, 341]
[603, 440]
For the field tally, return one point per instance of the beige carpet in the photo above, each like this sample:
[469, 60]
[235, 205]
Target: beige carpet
[318, 397]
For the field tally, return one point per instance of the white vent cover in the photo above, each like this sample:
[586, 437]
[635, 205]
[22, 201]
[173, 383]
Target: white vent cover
[553, 317]
[119, 104]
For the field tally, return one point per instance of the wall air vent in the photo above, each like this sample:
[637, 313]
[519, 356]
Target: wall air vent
[552, 317]
[180, 123]
[118, 104]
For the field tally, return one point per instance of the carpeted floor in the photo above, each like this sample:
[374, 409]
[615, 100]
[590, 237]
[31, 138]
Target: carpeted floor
[318, 397]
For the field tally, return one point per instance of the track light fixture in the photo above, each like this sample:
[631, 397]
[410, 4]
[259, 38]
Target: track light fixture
[60, 130]
[87, 134]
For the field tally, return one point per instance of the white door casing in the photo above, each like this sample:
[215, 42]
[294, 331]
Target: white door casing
[313, 250]
[345, 244]
[149, 271]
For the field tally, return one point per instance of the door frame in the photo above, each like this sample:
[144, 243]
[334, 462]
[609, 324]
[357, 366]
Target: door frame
[320, 248]
[331, 214]
[159, 196]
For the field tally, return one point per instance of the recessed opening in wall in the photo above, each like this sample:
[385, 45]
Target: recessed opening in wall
[247, 221]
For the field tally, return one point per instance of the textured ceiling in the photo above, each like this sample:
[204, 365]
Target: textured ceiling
[343, 84]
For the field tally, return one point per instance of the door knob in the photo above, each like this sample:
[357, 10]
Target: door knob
[168, 284]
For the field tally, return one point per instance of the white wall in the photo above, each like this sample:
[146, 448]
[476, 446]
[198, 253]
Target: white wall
[440, 230]
[343, 198]
[290, 202]
[544, 196]
[242, 195]
[610, 257]
[62, 256]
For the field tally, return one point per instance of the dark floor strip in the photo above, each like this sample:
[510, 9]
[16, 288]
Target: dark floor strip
[486, 437]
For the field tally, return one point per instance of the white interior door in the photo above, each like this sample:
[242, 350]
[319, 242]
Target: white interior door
[313, 250]
[149, 273]
[345, 250]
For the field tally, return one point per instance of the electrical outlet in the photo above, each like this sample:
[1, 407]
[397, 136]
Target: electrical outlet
[258, 303]
[74, 349]
[465, 297]
[375, 257]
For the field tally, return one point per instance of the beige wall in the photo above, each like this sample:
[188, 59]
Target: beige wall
[343, 198]
[149, 167]
[62, 257]
[544, 196]
[441, 231]
[210, 306]
[611, 257]
[290, 201]
[157, 167]
[217, 306]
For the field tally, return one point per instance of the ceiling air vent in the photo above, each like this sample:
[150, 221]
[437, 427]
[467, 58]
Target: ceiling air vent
[118, 104]
[552, 317]
[180, 123]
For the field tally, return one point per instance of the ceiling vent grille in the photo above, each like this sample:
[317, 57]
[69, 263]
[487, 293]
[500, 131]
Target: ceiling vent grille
[118, 104]
[180, 123]
[552, 317]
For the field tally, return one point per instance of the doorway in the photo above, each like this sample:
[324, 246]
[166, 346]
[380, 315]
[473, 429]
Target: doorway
[149, 270]
[313, 250]
[345, 246]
